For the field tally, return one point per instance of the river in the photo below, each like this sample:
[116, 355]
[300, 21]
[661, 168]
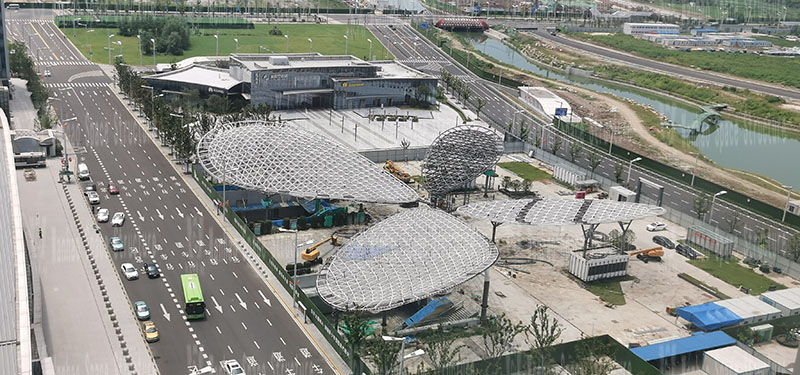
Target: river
[735, 144]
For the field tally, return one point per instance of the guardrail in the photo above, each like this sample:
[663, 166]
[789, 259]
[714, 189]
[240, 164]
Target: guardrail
[329, 331]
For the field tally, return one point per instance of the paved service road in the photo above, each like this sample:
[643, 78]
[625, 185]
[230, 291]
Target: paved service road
[167, 224]
[673, 69]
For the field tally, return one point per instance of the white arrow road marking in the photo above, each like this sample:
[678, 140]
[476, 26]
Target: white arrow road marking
[141, 218]
[198, 211]
[242, 303]
[179, 212]
[160, 215]
[164, 310]
[265, 299]
[216, 305]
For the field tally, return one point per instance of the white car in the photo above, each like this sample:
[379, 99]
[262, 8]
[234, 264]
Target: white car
[231, 367]
[93, 197]
[129, 271]
[118, 219]
[657, 226]
[102, 215]
[47, 73]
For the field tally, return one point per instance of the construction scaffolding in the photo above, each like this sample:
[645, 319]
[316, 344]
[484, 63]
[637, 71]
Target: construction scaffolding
[540, 211]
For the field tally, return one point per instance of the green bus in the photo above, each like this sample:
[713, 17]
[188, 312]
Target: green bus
[195, 305]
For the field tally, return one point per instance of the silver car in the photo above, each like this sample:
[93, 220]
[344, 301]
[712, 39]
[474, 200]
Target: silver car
[102, 215]
[142, 311]
[129, 271]
[118, 219]
[93, 197]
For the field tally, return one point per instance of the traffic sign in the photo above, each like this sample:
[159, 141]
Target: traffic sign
[424, 26]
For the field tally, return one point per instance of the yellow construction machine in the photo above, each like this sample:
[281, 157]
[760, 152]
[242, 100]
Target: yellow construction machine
[312, 253]
[392, 168]
[647, 255]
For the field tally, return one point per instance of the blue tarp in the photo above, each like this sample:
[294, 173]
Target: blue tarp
[698, 342]
[709, 316]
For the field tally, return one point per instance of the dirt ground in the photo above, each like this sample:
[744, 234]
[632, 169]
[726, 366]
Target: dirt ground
[631, 133]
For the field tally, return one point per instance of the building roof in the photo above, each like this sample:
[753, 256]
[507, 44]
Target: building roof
[695, 343]
[199, 75]
[547, 99]
[412, 255]
[788, 298]
[709, 316]
[278, 158]
[276, 61]
[558, 211]
[748, 307]
[736, 359]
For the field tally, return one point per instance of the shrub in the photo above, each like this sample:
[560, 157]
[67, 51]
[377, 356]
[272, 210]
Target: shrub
[302, 223]
[266, 227]
[287, 223]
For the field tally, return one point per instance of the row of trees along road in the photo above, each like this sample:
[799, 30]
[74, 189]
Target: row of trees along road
[179, 123]
[497, 337]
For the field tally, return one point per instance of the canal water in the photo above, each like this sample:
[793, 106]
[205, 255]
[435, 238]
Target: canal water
[734, 144]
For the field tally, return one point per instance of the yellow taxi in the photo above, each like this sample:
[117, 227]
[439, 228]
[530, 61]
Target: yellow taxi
[150, 331]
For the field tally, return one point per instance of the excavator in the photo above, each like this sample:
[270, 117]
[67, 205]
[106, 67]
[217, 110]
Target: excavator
[646, 255]
[392, 168]
[312, 253]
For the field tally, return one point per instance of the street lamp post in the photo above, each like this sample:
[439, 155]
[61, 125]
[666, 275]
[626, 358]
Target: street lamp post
[630, 166]
[786, 206]
[694, 171]
[294, 276]
[216, 37]
[236, 40]
[346, 44]
[370, 49]
[310, 45]
[109, 48]
[287, 42]
[119, 43]
[711, 208]
[139, 37]
[403, 357]
[153, 40]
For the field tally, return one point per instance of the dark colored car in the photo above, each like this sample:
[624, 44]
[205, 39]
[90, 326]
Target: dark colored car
[89, 186]
[151, 270]
[112, 189]
[664, 241]
[686, 251]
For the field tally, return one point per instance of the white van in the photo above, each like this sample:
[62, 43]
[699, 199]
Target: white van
[12, 6]
[83, 172]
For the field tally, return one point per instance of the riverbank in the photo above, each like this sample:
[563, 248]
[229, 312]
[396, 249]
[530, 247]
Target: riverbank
[640, 138]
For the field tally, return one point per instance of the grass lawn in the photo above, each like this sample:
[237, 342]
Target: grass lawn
[731, 272]
[525, 170]
[609, 290]
[327, 39]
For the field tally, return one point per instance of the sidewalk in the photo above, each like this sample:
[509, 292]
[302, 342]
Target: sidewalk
[284, 296]
[80, 289]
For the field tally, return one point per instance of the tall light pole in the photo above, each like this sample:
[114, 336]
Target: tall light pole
[630, 166]
[237, 44]
[294, 276]
[139, 37]
[403, 357]
[346, 44]
[694, 171]
[216, 37]
[711, 208]
[152, 40]
[109, 48]
[287, 42]
[152, 104]
[310, 45]
[786, 206]
[119, 43]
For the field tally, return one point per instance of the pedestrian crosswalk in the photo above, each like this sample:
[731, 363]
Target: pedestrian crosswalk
[76, 84]
[64, 62]
[28, 20]
[423, 61]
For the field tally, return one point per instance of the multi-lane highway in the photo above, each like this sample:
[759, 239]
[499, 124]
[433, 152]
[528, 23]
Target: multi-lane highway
[415, 50]
[168, 225]
[653, 65]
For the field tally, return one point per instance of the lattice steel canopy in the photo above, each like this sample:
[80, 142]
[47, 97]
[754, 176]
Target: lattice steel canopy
[558, 211]
[409, 256]
[275, 157]
[458, 156]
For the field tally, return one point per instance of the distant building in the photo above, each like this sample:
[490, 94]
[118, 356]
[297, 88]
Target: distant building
[632, 28]
[547, 104]
[701, 32]
[5, 71]
[306, 80]
[746, 43]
